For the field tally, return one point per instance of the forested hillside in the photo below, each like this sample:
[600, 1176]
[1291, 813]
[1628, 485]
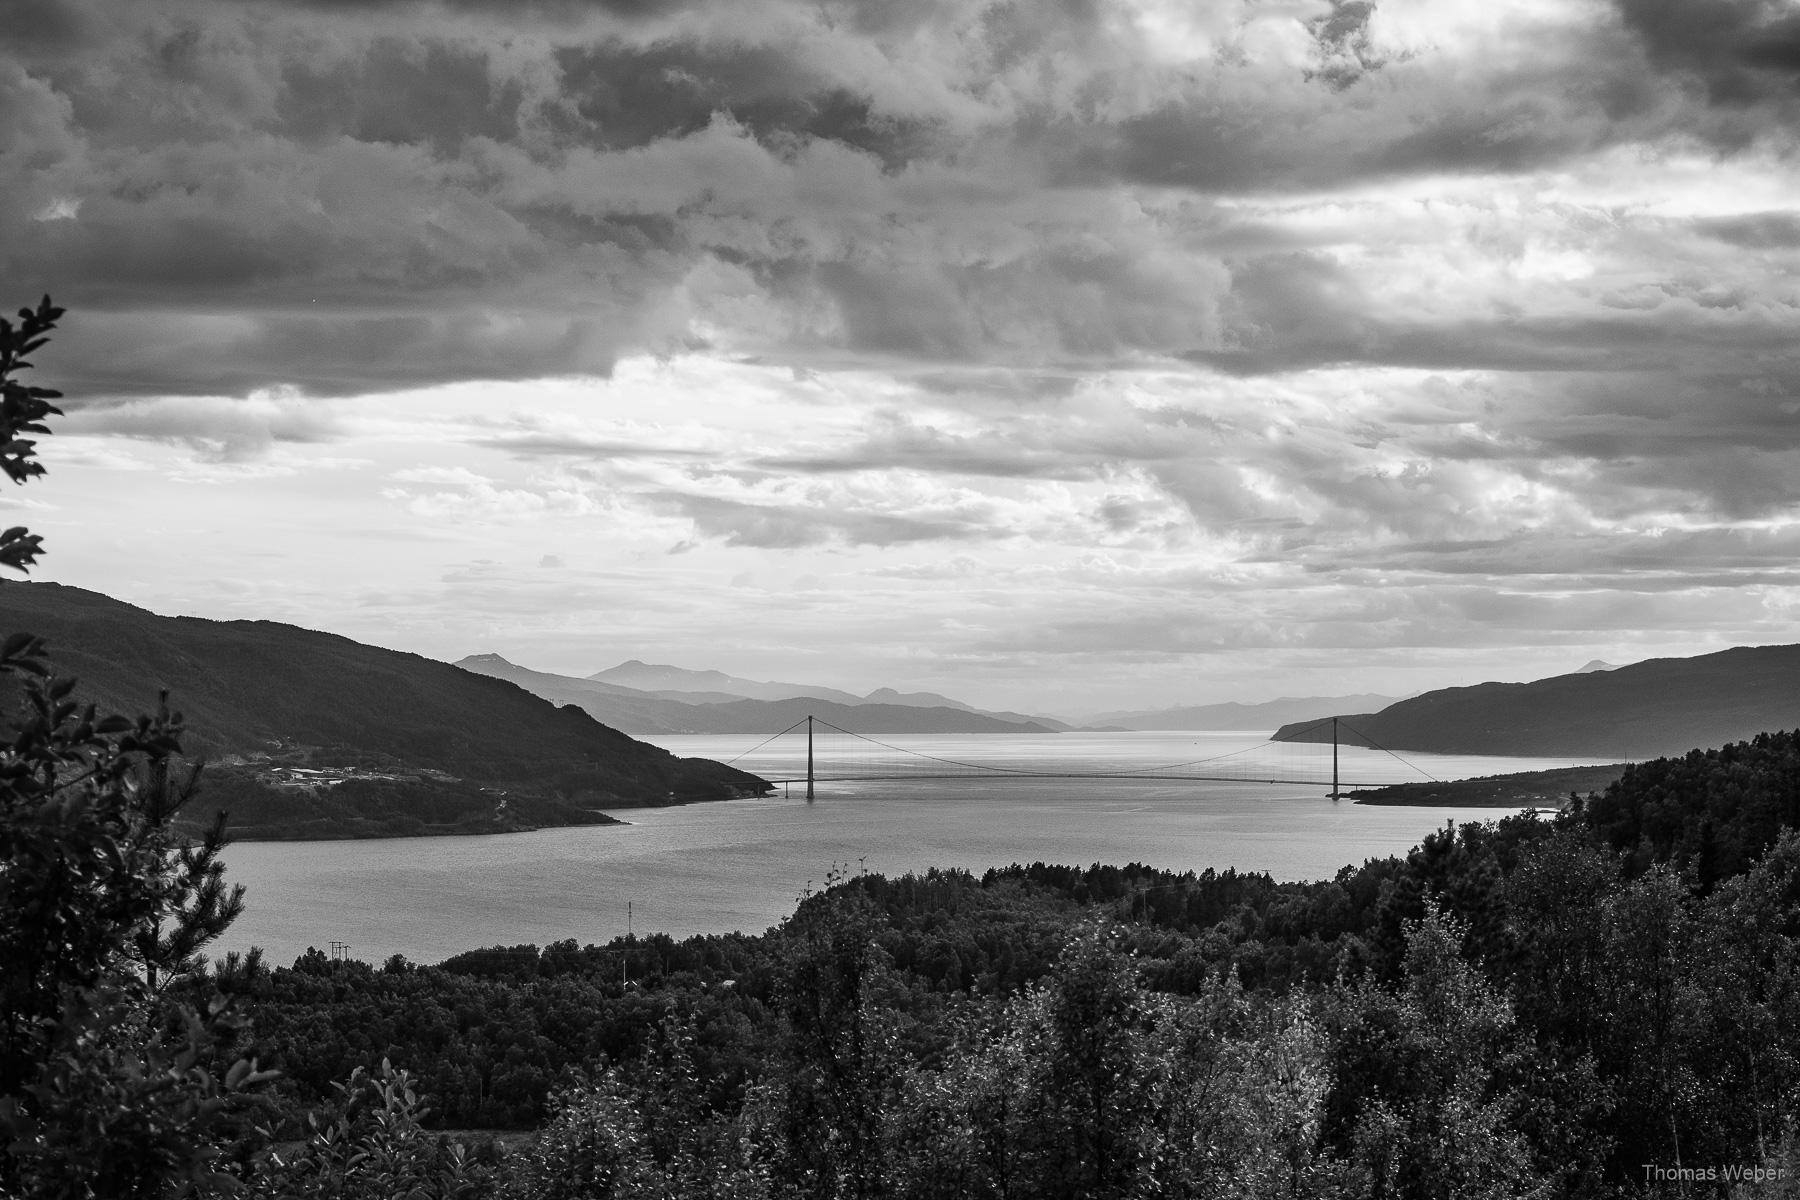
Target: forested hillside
[1531, 1006]
[1660, 707]
[408, 745]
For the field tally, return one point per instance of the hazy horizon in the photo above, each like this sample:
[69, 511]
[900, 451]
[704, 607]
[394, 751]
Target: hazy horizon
[1066, 358]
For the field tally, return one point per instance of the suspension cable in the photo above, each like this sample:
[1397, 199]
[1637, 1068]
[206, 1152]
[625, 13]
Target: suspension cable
[1373, 744]
[933, 757]
[772, 737]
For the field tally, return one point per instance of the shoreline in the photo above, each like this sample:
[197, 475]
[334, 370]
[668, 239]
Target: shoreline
[1540, 789]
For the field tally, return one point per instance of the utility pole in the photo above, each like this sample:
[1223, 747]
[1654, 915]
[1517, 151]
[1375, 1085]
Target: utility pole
[625, 950]
[809, 756]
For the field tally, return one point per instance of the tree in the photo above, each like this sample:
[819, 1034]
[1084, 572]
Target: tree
[369, 1144]
[110, 1036]
[1238, 1085]
[1420, 1100]
[840, 1053]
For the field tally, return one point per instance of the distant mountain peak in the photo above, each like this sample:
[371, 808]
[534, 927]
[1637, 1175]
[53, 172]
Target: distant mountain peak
[492, 660]
[1594, 664]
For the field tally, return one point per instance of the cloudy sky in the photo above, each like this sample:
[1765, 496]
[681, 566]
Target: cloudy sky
[1055, 354]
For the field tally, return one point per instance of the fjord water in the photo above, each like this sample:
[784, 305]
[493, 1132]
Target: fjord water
[741, 864]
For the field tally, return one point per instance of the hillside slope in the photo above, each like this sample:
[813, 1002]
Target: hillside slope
[1660, 707]
[620, 707]
[297, 699]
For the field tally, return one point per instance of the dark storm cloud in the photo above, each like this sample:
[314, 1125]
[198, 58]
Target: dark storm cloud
[1742, 51]
[1344, 35]
[1195, 144]
[619, 96]
[1299, 311]
[354, 197]
[1360, 115]
[399, 91]
[557, 10]
[342, 354]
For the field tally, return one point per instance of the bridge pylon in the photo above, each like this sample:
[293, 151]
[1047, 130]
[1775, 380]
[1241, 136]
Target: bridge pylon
[809, 756]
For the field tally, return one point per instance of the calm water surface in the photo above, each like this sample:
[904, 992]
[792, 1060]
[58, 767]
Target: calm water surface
[740, 864]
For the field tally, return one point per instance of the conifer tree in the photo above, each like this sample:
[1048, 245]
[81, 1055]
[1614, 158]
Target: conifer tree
[110, 1034]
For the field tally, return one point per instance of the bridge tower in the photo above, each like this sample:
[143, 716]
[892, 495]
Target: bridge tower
[809, 756]
[1334, 752]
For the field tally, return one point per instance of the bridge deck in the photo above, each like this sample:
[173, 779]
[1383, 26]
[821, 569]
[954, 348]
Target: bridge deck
[876, 765]
[1140, 776]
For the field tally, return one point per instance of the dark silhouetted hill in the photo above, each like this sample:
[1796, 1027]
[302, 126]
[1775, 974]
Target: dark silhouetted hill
[264, 691]
[1661, 707]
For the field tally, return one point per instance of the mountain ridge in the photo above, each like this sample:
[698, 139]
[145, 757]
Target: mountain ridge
[1650, 709]
[741, 715]
[651, 677]
[408, 739]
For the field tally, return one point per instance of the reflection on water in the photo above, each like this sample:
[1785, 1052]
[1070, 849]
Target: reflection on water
[708, 868]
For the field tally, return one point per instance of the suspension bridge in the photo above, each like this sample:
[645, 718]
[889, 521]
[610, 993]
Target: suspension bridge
[834, 754]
